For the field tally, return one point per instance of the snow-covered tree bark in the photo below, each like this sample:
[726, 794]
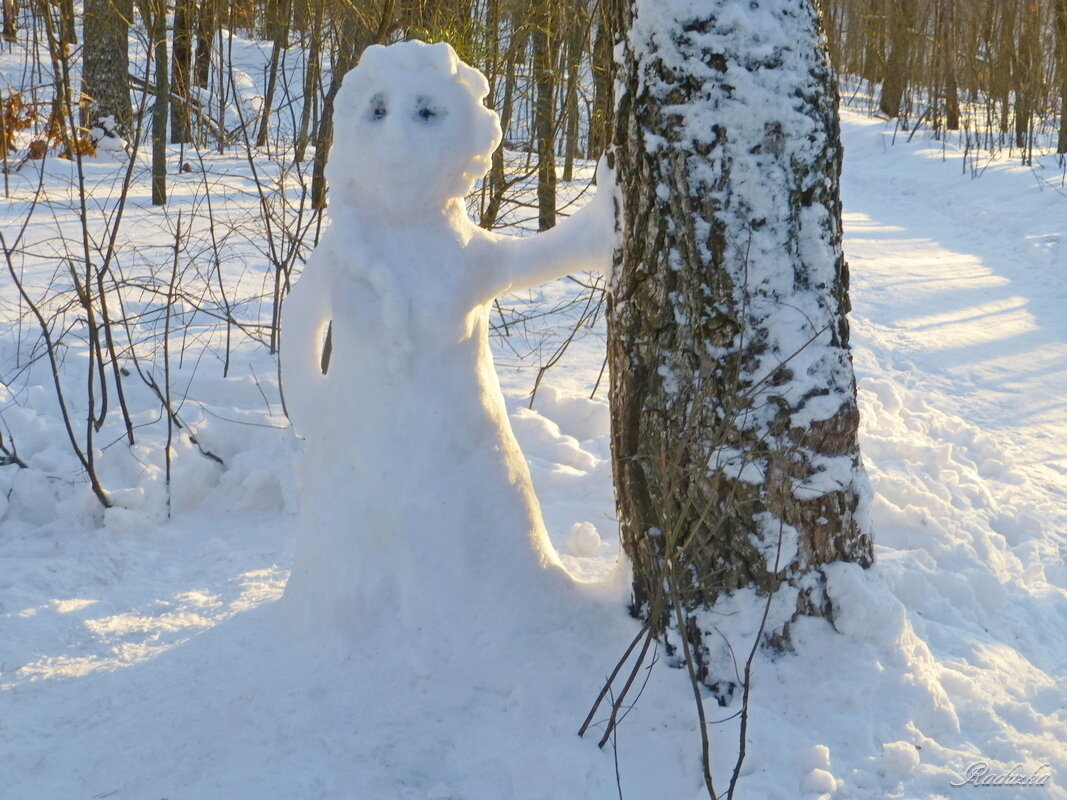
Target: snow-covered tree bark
[732, 390]
[106, 66]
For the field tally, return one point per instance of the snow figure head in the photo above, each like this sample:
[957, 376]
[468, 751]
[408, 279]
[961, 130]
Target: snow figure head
[411, 132]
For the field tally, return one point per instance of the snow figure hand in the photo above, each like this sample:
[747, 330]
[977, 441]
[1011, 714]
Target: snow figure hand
[583, 241]
[605, 211]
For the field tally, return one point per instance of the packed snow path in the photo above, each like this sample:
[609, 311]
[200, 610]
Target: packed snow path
[959, 287]
[966, 281]
[951, 651]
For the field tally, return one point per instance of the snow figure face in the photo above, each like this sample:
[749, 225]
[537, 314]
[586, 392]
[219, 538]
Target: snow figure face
[410, 129]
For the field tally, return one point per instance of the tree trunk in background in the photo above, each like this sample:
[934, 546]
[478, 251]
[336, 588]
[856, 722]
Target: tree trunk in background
[1003, 65]
[493, 187]
[603, 99]
[355, 36]
[242, 15]
[544, 69]
[497, 176]
[302, 14]
[1059, 12]
[345, 57]
[280, 28]
[158, 38]
[1027, 82]
[895, 78]
[733, 400]
[182, 63]
[11, 14]
[832, 21]
[105, 68]
[436, 19]
[207, 22]
[67, 29]
[312, 78]
[872, 64]
[945, 42]
[279, 15]
[575, 40]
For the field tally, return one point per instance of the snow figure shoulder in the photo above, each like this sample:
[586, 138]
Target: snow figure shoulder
[414, 487]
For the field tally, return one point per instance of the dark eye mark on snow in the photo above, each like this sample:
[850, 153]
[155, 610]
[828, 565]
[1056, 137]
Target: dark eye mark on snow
[428, 111]
[378, 108]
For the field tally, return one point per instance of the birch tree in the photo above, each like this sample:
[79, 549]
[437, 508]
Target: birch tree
[734, 417]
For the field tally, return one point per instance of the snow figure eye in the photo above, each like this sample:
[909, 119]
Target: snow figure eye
[377, 107]
[428, 111]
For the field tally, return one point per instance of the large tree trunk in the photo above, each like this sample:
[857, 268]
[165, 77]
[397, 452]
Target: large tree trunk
[105, 68]
[733, 400]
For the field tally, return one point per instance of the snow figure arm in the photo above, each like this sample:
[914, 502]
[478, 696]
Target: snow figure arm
[305, 314]
[585, 240]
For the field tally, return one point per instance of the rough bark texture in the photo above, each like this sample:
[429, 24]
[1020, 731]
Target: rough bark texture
[733, 404]
[105, 67]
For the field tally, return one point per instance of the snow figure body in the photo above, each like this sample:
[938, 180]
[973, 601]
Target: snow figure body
[415, 493]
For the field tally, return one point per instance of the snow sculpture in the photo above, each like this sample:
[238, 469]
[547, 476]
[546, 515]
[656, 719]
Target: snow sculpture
[415, 493]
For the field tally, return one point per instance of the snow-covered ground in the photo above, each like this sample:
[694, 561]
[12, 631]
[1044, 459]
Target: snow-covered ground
[141, 657]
